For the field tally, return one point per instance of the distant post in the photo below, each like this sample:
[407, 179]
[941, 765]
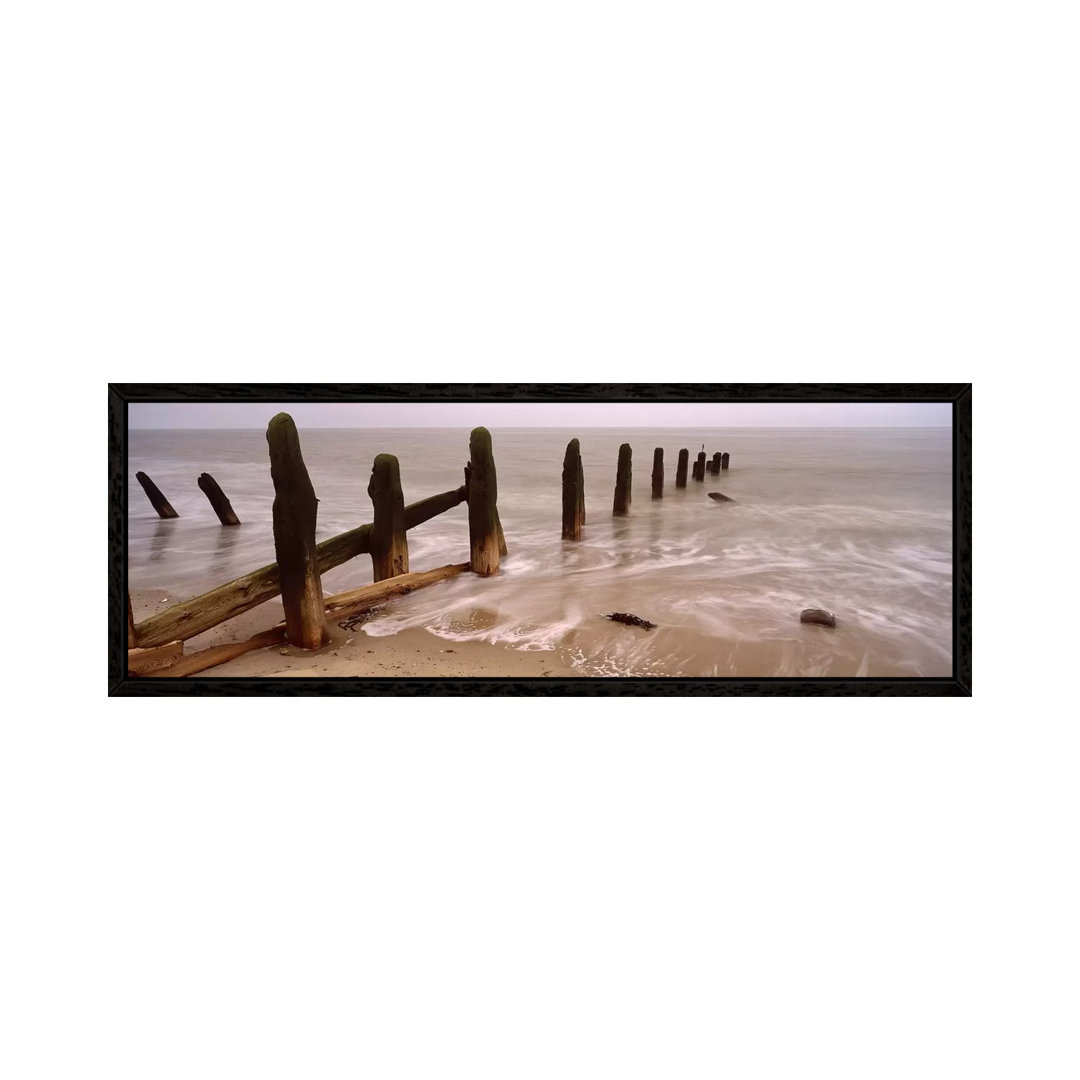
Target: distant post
[622, 483]
[157, 500]
[724, 461]
[680, 472]
[389, 545]
[699, 468]
[222, 506]
[295, 511]
[573, 498]
[483, 497]
[658, 473]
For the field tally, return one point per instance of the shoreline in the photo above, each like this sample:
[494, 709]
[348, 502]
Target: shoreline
[415, 653]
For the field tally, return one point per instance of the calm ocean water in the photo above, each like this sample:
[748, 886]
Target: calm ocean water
[855, 520]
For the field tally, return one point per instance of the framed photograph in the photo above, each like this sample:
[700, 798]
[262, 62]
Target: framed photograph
[800, 539]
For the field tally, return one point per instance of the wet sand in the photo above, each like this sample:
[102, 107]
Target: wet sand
[352, 653]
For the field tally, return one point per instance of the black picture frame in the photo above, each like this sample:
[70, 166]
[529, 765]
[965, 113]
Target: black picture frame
[123, 394]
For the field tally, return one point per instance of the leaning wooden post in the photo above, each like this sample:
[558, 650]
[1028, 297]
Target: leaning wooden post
[218, 500]
[680, 472]
[724, 461]
[622, 483]
[389, 546]
[699, 468]
[483, 498]
[131, 625]
[573, 499]
[295, 511]
[658, 473]
[157, 500]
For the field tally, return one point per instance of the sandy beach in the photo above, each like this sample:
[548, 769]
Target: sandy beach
[353, 653]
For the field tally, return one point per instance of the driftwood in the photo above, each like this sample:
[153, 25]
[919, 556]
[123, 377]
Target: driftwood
[366, 597]
[220, 654]
[218, 500]
[630, 620]
[295, 511]
[157, 500]
[193, 617]
[150, 661]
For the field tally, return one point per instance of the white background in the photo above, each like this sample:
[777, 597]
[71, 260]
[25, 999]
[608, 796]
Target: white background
[539, 888]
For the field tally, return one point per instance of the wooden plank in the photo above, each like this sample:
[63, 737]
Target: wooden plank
[218, 500]
[220, 654]
[483, 497]
[623, 476]
[295, 511]
[389, 545]
[195, 616]
[355, 601]
[144, 661]
[157, 500]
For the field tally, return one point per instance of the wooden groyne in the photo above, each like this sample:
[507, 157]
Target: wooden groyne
[156, 643]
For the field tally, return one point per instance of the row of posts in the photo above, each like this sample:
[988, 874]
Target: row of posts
[573, 482]
[296, 508]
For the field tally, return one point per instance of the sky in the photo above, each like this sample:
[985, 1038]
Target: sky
[524, 414]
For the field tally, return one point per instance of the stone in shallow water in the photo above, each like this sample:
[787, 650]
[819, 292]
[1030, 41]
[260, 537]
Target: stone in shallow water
[818, 615]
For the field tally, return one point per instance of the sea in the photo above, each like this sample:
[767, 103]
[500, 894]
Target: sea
[857, 521]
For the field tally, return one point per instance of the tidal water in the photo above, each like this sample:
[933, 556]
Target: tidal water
[854, 520]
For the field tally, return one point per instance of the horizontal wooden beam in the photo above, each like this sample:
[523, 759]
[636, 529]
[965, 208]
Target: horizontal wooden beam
[193, 617]
[363, 599]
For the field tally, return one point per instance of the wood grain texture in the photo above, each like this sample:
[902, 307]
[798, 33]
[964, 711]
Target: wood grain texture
[483, 498]
[157, 500]
[389, 545]
[218, 500]
[295, 511]
[573, 497]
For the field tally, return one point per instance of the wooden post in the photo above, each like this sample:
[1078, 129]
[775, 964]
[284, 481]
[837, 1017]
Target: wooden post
[389, 545]
[723, 461]
[699, 468]
[581, 491]
[483, 499]
[222, 506]
[295, 511]
[157, 500]
[680, 472]
[623, 476]
[716, 458]
[131, 625]
[573, 498]
[658, 473]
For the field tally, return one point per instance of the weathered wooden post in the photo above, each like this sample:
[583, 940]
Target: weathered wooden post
[658, 473]
[573, 498]
[680, 472]
[622, 483]
[295, 511]
[131, 625]
[389, 545]
[699, 468]
[157, 500]
[483, 497]
[716, 458]
[724, 461]
[218, 500]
